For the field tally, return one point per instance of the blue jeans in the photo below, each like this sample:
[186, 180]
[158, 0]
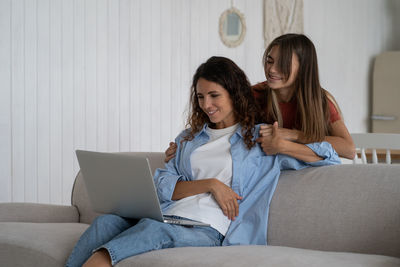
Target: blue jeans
[123, 238]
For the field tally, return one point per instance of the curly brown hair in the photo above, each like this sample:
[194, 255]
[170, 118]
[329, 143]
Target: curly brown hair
[226, 73]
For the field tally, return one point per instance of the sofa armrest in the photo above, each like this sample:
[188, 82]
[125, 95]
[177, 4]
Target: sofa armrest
[38, 213]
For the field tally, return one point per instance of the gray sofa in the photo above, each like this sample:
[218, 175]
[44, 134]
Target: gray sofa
[345, 215]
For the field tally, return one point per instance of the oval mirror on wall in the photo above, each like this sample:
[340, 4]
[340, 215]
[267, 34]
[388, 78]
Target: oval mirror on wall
[232, 27]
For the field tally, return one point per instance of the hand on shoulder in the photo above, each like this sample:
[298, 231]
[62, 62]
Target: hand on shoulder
[271, 139]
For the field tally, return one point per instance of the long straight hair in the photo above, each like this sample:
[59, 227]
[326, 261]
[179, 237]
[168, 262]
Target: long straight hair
[313, 114]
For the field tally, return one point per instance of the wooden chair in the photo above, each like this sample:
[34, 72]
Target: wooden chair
[374, 141]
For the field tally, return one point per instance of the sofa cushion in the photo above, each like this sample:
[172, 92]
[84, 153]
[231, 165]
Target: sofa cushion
[247, 256]
[38, 213]
[353, 208]
[37, 244]
[80, 199]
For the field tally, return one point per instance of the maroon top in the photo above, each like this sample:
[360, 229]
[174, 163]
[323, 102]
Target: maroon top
[289, 109]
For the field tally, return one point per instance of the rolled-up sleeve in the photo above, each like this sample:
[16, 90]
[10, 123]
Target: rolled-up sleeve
[323, 150]
[165, 181]
[326, 152]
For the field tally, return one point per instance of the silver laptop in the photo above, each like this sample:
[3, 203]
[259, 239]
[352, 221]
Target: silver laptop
[122, 184]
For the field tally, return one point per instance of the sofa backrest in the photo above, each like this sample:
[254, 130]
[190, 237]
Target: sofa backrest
[352, 208]
[80, 197]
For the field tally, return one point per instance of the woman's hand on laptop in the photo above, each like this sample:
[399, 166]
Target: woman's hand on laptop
[226, 198]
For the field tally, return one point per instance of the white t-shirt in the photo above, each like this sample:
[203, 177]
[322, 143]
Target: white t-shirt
[211, 160]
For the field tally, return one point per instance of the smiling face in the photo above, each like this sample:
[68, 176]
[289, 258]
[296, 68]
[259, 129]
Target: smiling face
[275, 78]
[216, 102]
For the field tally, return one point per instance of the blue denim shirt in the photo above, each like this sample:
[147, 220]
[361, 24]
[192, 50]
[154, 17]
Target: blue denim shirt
[254, 177]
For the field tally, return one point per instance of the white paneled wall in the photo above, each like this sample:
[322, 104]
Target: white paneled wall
[5, 103]
[114, 75]
[348, 34]
[102, 75]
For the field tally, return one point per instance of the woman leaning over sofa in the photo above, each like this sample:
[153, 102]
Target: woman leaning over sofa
[292, 97]
[220, 176]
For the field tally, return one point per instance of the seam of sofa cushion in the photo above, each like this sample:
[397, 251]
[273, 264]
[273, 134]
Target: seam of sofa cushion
[30, 250]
